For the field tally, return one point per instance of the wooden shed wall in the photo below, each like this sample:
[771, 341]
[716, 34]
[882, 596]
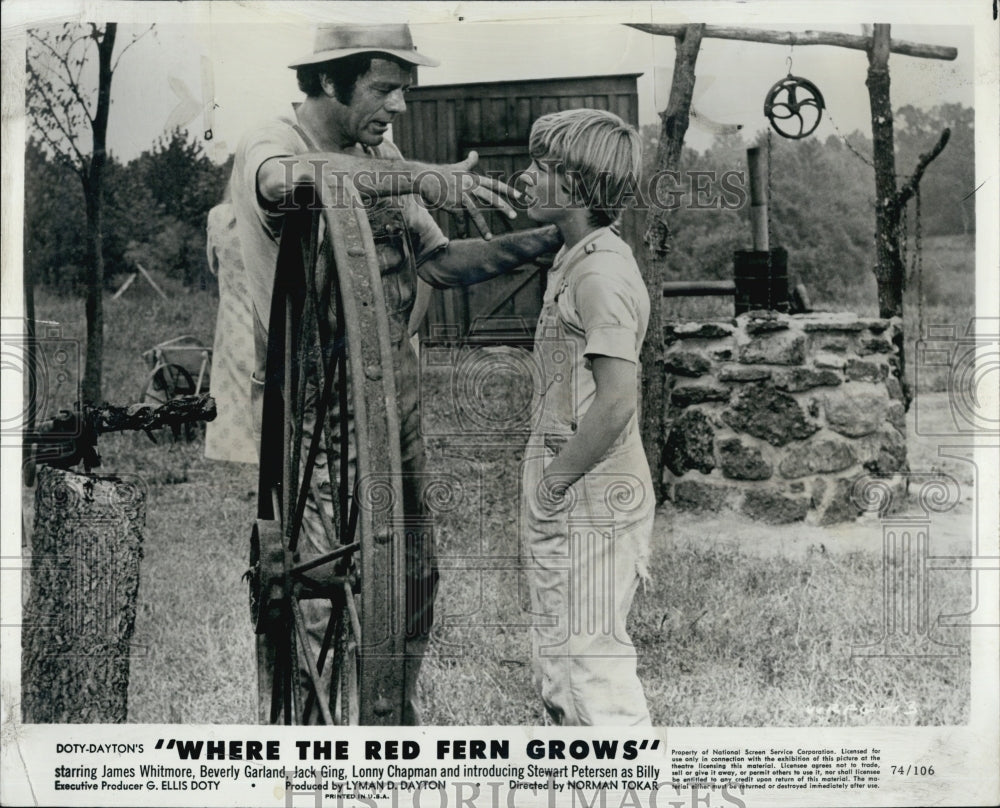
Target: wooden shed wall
[442, 124]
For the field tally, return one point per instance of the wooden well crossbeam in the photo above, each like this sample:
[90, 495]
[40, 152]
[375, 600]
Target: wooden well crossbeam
[791, 38]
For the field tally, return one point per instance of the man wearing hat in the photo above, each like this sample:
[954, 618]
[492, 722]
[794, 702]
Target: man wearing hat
[355, 83]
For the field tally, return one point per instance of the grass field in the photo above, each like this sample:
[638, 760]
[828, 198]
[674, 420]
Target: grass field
[743, 626]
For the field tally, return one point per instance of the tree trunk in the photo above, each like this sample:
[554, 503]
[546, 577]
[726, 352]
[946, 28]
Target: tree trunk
[81, 604]
[93, 191]
[674, 124]
[889, 262]
[94, 307]
[890, 274]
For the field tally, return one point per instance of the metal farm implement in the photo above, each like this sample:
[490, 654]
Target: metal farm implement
[329, 356]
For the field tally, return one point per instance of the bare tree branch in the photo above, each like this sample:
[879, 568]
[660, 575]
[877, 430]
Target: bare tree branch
[910, 188]
[64, 127]
[76, 79]
[135, 38]
[78, 168]
[70, 82]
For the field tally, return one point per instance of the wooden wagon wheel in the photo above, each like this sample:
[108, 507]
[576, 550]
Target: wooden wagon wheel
[329, 354]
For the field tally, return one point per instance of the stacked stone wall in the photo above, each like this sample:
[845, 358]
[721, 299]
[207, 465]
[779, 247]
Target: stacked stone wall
[777, 415]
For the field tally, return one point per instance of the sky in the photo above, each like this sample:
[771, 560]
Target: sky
[223, 65]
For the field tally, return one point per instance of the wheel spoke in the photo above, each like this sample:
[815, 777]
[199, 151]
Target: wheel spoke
[333, 627]
[350, 673]
[314, 354]
[267, 679]
[287, 657]
[304, 363]
[352, 612]
[276, 690]
[290, 426]
[326, 558]
[344, 483]
[306, 654]
[294, 675]
[308, 484]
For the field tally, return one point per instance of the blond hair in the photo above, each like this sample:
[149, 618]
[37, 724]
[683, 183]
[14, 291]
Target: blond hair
[599, 154]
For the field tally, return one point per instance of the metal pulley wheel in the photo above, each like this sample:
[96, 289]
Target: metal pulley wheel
[794, 106]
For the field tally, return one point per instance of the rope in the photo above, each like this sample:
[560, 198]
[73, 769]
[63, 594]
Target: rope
[770, 246]
[770, 186]
[847, 143]
[918, 261]
[915, 259]
[904, 240]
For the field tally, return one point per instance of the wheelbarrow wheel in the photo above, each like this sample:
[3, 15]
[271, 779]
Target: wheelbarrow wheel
[165, 383]
[330, 623]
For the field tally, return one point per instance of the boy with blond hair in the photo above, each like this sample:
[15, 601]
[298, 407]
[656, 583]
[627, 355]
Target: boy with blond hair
[587, 494]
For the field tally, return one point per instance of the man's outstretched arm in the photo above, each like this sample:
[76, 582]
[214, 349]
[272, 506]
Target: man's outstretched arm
[468, 261]
[452, 186]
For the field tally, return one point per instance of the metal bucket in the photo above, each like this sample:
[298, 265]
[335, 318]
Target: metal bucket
[761, 280]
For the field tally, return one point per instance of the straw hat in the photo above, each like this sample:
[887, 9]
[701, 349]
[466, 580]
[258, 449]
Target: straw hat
[336, 40]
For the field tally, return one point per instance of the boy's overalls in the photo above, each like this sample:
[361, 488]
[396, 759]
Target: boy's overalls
[584, 562]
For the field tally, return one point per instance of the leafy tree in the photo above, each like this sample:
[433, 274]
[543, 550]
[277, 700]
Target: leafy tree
[55, 225]
[131, 217]
[181, 177]
[154, 212]
[184, 185]
[821, 211]
[69, 117]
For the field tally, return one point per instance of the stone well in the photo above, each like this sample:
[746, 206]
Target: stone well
[777, 415]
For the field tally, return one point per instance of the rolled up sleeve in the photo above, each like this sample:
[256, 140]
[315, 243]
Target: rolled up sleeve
[426, 237]
[609, 315]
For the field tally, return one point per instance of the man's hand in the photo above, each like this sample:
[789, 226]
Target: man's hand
[454, 186]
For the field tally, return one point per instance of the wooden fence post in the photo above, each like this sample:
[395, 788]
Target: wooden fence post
[80, 610]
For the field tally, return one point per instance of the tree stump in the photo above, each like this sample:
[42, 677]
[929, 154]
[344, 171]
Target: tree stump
[79, 613]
